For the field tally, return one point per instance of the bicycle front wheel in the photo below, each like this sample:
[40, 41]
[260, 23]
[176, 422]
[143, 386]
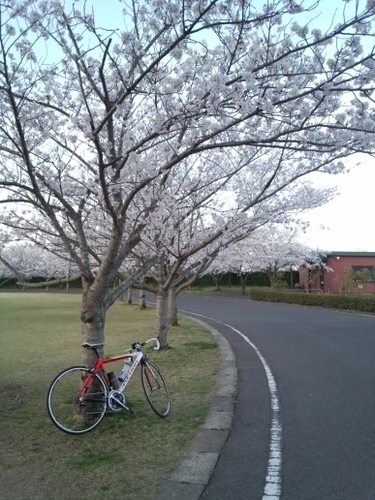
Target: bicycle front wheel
[74, 406]
[155, 389]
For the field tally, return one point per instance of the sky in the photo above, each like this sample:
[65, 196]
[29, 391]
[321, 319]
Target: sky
[349, 219]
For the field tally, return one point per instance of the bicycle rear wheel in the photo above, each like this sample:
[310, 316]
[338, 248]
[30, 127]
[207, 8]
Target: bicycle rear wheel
[70, 408]
[155, 389]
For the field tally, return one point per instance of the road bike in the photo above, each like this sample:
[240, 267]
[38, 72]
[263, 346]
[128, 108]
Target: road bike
[79, 397]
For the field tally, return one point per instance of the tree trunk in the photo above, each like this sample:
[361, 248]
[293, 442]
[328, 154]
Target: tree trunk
[243, 284]
[271, 276]
[142, 299]
[161, 319]
[172, 308]
[92, 321]
[123, 295]
[216, 282]
[130, 296]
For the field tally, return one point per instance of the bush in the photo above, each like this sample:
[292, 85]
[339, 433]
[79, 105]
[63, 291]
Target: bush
[364, 303]
[11, 283]
[8, 283]
[257, 278]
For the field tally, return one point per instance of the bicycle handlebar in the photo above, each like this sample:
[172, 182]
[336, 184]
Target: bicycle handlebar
[136, 345]
[157, 348]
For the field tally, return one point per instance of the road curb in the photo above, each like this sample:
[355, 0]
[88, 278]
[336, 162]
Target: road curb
[192, 474]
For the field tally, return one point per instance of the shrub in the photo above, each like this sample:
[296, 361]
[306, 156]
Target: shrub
[364, 303]
[256, 278]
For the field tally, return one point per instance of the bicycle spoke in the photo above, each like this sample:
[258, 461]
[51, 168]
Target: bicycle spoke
[74, 412]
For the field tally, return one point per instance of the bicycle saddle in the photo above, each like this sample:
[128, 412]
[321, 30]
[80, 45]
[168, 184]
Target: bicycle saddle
[91, 346]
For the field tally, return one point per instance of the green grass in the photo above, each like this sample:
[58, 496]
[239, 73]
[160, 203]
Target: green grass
[127, 456]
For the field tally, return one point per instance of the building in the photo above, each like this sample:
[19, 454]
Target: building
[337, 277]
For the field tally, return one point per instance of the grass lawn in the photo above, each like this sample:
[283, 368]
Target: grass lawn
[127, 456]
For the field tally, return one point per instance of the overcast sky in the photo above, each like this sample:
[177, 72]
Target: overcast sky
[349, 219]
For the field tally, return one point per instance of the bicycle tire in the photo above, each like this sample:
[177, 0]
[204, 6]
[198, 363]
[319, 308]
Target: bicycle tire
[155, 389]
[69, 414]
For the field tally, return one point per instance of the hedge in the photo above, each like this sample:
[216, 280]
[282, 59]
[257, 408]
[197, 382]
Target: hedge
[363, 303]
[11, 283]
[256, 278]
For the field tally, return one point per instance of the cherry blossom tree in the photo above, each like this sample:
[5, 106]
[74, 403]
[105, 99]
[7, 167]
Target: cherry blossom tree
[235, 259]
[190, 228]
[270, 249]
[99, 119]
[280, 250]
[25, 261]
[22, 260]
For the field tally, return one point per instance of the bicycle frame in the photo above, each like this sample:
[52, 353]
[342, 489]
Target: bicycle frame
[99, 366]
[136, 358]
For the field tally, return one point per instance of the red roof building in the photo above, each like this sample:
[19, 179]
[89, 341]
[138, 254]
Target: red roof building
[342, 274]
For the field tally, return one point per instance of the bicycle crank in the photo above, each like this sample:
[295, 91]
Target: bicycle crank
[116, 401]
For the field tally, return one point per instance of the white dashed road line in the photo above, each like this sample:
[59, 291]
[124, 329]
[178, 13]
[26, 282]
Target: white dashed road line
[272, 486]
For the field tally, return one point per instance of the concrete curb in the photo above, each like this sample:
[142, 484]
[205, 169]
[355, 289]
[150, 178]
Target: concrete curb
[188, 480]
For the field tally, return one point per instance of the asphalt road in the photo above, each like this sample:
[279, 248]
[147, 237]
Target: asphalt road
[323, 368]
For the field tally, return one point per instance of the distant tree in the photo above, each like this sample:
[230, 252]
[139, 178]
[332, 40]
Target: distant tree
[236, 259]
[25, 261]
[309, 272]
[271, 249]
[351, 280]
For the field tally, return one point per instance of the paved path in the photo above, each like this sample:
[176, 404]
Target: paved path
[304, 421]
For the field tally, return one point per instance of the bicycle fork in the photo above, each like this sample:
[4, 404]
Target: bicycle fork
[151, 379]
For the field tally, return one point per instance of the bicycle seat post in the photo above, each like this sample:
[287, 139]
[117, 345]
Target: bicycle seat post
[94, 347]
